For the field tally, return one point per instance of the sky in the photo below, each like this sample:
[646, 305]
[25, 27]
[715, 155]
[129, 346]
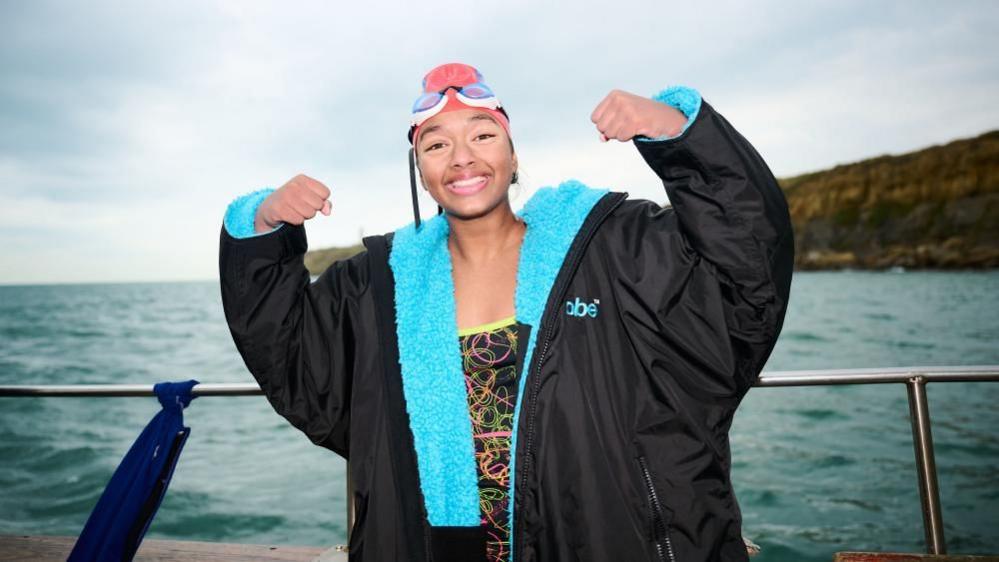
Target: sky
[126, 128]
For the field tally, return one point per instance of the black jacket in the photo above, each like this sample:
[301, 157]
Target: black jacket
[623, 421]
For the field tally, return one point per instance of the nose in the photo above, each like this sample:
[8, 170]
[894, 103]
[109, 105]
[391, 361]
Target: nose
[461, 155]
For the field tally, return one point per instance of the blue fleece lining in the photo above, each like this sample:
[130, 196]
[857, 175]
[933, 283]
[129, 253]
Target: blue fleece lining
[429, 350]
[683, 98]
[240, 214]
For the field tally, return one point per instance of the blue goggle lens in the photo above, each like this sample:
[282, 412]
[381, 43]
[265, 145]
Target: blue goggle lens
[475, 91]
[426, 101]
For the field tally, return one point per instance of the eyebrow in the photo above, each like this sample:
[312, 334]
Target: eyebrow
[475, 117]
[483, 117]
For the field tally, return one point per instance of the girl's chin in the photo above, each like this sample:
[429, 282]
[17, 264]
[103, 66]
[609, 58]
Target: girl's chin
[467, 208]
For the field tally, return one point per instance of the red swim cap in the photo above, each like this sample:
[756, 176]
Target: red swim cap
[450, 87]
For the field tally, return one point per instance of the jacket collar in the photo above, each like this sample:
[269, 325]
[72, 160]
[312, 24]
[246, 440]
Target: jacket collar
[429, 351]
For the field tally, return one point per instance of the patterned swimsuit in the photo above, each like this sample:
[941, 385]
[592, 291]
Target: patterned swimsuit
[489, 357]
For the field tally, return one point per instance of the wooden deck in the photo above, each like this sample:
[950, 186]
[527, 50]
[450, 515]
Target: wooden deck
[56, 549]
[904, 557]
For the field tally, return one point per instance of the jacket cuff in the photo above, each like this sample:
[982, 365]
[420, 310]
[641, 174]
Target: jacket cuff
[241, 213]
[686, 100]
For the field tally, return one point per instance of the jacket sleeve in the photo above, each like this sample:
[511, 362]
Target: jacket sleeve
[297, 338]
[733, 217]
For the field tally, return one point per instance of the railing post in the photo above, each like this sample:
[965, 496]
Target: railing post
[926, 466]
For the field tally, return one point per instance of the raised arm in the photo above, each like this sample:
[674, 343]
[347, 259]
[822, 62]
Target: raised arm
[296, 337]
[729, 208]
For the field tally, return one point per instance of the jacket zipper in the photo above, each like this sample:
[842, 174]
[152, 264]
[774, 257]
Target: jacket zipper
[568, 270]
[660, 530]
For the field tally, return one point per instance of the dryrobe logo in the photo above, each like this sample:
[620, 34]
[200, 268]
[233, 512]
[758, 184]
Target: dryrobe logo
[582, 309]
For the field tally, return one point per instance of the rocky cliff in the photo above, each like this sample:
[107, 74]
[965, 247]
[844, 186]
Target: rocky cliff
[317, 261]
[933, 208]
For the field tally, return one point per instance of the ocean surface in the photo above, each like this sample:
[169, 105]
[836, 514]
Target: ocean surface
[816, 469]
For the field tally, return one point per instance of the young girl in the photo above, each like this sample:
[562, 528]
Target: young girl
[553, 385]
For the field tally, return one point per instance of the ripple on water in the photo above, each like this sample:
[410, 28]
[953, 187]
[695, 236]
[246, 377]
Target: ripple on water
[959, 540]
[778, 543]
[818, 414]
[983, 335]
[832, 461]
[216, 525]
[976, 450]
[906, 344]
[81, 503]
[761, 497]
[50, 459]
[83, 333]
[800, 336]
[880, 316]
[862, 504]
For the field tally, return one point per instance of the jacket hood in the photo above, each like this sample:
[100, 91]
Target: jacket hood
[429, 350]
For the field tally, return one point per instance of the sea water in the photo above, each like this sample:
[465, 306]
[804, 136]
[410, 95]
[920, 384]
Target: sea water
[816, 469]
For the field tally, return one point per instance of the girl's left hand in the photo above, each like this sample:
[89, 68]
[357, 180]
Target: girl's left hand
[623, 115]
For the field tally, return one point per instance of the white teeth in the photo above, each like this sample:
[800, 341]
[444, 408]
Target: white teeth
[469, 182]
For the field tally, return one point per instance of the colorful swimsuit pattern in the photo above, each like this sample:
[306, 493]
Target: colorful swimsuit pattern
[489, 357]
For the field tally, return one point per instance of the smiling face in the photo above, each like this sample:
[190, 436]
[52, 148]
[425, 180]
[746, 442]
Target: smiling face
[466, 162]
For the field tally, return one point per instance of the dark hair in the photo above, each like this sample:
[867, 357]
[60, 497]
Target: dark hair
[515, 178]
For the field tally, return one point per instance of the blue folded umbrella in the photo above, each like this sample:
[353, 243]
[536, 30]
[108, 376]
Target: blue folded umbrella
[130, 500]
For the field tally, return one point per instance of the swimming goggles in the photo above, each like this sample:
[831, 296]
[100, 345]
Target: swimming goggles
[473, 95]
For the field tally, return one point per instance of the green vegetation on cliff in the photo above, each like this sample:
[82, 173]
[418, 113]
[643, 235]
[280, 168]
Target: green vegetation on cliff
[934, 208]
[316, 261]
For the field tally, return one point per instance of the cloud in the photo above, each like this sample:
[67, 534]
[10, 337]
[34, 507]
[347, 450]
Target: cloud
[125, 129]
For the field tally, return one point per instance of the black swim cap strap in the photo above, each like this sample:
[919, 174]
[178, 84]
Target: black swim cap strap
[412, 187]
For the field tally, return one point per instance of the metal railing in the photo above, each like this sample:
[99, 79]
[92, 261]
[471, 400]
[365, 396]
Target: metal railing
[914, 379]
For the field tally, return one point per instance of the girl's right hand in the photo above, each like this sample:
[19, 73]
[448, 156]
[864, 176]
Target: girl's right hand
[294, 203]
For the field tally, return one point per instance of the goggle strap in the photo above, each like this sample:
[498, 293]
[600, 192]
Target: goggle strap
[412, 190]
[412, 187]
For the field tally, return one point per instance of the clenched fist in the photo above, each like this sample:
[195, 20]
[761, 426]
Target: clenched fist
[294, 203]
[623, 115]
